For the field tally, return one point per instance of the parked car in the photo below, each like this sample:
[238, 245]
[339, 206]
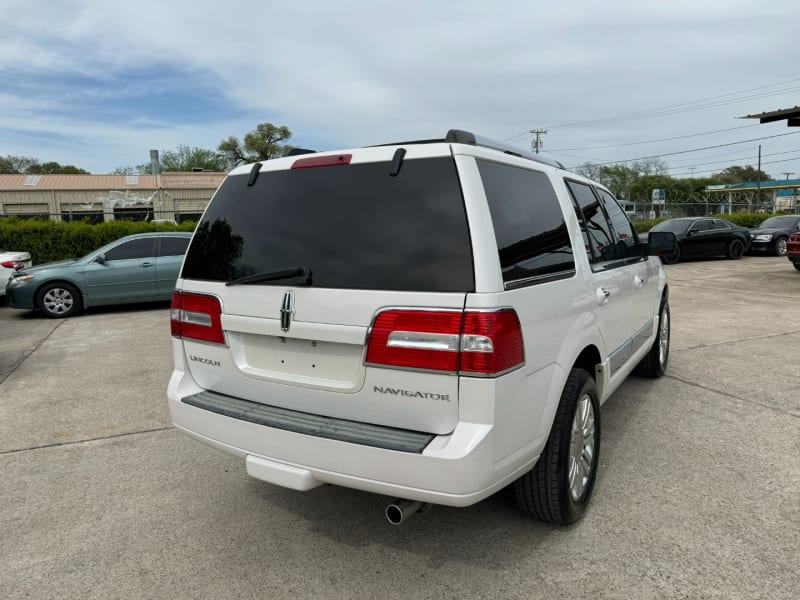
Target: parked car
[793, 250]
[702, 237]
[136, 268]
[771, 236]
[11, 262]
[433, 320]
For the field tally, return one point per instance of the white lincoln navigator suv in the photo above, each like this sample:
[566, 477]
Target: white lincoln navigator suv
[431, 320]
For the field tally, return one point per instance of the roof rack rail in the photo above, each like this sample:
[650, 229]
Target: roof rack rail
[458, 136]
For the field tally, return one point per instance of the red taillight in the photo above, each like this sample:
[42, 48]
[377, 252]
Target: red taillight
[473, 343]
[13, 264]
[322, 161]
[491, 342]
[197, 317]
[416, 339]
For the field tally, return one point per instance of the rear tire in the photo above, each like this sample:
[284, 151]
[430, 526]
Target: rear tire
[59, 300]
[796, 266]
[559, 486]
[735, 249]
[654, 364]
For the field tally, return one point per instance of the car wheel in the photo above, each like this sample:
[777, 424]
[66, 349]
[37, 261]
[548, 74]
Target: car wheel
[672, 258]
[58, 300]
[559, 486]
[796, 266]
[735, 249]
[780, 247]
[654, 363]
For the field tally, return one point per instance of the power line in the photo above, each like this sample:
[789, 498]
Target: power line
[768, 137]
[729, 160]
[669, 139]
[771, 162]
[644, 114]
[673, 109]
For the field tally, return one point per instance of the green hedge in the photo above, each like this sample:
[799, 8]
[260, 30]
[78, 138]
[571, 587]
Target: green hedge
[48, 241]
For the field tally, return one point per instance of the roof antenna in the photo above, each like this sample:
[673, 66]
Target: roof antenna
[397, 162]
[254, 174]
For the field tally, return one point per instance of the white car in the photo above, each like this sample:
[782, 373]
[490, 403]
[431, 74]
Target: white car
[430, 320]
[11, 262]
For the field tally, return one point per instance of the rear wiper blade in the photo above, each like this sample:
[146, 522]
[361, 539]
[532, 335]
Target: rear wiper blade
[276, 275]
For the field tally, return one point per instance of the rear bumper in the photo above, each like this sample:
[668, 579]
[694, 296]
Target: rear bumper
[457, 469]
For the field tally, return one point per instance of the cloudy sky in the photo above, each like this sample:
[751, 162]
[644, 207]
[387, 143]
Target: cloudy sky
[97, 84]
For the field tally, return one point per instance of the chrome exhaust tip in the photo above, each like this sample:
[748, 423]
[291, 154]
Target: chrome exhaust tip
[402, 510]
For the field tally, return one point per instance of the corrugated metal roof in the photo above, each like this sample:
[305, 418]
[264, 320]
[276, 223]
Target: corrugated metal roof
[752, 185]
[203, 180]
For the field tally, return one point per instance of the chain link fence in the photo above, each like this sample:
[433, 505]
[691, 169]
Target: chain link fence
[646, 212]
[121, 214]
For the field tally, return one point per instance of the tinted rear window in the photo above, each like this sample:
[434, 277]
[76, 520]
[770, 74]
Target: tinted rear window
[354, 226]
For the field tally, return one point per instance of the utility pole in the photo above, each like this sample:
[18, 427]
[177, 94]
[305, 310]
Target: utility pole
[537, 144]
[758, 178]
[787, 173]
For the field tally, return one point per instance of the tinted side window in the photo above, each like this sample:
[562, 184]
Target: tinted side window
[719, 224]
[141, 248]
[173, 246]
[594, 220]
[704, 225]
[532, 237]
[625, 235]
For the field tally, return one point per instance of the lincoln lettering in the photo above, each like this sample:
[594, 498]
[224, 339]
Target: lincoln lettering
[205, 361]
[410, 393]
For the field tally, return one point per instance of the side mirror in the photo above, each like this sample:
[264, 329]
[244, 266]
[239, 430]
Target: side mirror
[100, 258]
[662, 243]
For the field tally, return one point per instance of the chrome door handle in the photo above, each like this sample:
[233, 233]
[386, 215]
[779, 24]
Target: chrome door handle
[146, 264]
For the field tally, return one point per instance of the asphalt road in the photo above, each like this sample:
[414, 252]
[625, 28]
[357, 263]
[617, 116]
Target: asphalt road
[697, 494]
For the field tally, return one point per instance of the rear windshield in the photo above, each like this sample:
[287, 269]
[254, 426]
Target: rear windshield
[353, 226]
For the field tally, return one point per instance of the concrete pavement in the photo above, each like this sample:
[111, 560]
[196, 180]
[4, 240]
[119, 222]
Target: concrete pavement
[696, 495]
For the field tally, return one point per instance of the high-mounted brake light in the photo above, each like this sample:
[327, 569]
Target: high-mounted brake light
[197, 317]
[322, 161]
[471, 342]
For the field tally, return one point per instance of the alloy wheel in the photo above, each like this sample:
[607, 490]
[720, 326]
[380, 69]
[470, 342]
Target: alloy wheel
[581, 447]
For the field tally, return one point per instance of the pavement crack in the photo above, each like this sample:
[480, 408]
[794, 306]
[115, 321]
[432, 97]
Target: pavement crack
[748, 401]
[74, 442]
[26, 355]
[747, 339]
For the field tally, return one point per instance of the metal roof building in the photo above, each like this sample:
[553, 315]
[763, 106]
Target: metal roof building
[170, 196]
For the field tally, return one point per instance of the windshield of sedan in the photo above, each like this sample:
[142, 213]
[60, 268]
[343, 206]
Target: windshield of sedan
[673, 225]
[779, 223]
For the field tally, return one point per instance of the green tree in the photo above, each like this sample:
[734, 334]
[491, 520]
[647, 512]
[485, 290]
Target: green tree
[53, 168]
[618, 178]
[263, 143]
[186, 158]
[15, 165]
[127, 170]
[650, 166]
[589, 171]
[737, 174]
